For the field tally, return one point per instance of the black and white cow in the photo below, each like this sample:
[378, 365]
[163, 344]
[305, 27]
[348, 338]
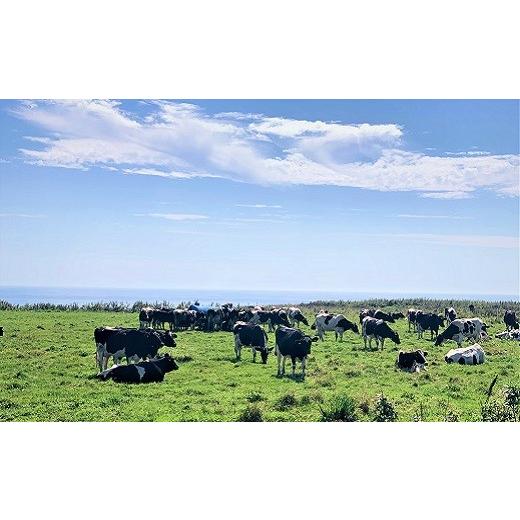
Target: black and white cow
[143, 372]
[411, 361]
[472, 355]
[380, 315]
[333, 322]
[428, 321]
[161, 317]
[296, 317]
[380, 330]
[398, 315]
[449, 314]
[411, 315]
[132, 344]
[461, 329]
[510, 320]
[251, 336]
[145, 317]
[295, 344]
[273, 318]
[363, 313]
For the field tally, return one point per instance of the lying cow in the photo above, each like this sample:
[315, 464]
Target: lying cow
[336, 322]
[251, 336]
[296, 317]
[143, 372]
[132, 344]
[449, 314]
[295, 344]
[380, 330]
[462, 329]
[510, 320]
[428, 321]
[411, 361]
[513, 334]
[472, 355]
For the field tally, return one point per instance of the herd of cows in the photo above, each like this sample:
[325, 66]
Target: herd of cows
[157, 327]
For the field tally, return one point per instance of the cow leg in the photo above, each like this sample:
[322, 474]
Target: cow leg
[304, 363]
[238, 347]
[335, 335]
[283, 366]
[279, 364]
[321, 333]
[293, 366]
[254, 354]
[382, 343]
[341, 335]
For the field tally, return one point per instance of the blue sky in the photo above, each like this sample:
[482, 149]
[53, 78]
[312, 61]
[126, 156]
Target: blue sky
[377, 196]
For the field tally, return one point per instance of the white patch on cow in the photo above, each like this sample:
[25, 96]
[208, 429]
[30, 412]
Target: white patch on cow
[474, 354]
[141, 371]
[321, 326]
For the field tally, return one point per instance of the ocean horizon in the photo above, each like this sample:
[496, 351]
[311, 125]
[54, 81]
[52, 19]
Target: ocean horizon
[83, 295]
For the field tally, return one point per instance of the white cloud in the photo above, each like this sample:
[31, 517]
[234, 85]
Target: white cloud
[260, 206]
[180, 141]
[449, 217]
[20, 215]
[173, 216]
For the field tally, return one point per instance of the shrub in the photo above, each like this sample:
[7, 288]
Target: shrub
[341, 408]
[251, 414]
[254, 397]
[286, 401]
[384, 410]
[504, 409]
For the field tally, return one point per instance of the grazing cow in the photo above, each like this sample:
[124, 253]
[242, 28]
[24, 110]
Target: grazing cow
[510, 320]
[252, 336]
[272, 318]
[449, 314]
[132, 344]
[336, 322]
[472, 355]
[411, 361]
[295, 344]
[428, 321]
[145, 317]
[380, 330]
[143, 372]
[296, 317]
[397, 315]
[461, 329]
[380, 315]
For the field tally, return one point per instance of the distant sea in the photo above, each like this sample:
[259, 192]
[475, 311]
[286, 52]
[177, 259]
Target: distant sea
[67, 295]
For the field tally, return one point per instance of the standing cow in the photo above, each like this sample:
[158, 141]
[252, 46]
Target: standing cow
[462, 329]
[449, 314]
[295, 344]
[333, 322]
[510, 320]
[132, 344]
[251, 336]
[296, 317]
[380, 330]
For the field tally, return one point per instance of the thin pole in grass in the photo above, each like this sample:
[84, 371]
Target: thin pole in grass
[490, 389]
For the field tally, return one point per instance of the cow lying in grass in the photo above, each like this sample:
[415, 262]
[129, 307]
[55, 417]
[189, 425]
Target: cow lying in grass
[472, 355]
[509, 334]
[144, 372]
[411, 361]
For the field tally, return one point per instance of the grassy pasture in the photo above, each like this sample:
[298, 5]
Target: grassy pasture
[48, 374]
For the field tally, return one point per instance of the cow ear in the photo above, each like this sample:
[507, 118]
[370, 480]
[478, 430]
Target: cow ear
[314, 339]
[425, 353]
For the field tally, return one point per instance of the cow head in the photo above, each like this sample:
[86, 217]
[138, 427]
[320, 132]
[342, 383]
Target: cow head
[394, 336]
[167, 337]
[313, 326]
[355, 328]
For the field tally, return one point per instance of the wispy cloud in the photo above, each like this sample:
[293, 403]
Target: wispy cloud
[20, 215]
[180, 141]
[260, 206]
[448, 217]
[173, 216]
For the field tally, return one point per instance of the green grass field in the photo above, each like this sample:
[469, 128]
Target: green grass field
[48, 374]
